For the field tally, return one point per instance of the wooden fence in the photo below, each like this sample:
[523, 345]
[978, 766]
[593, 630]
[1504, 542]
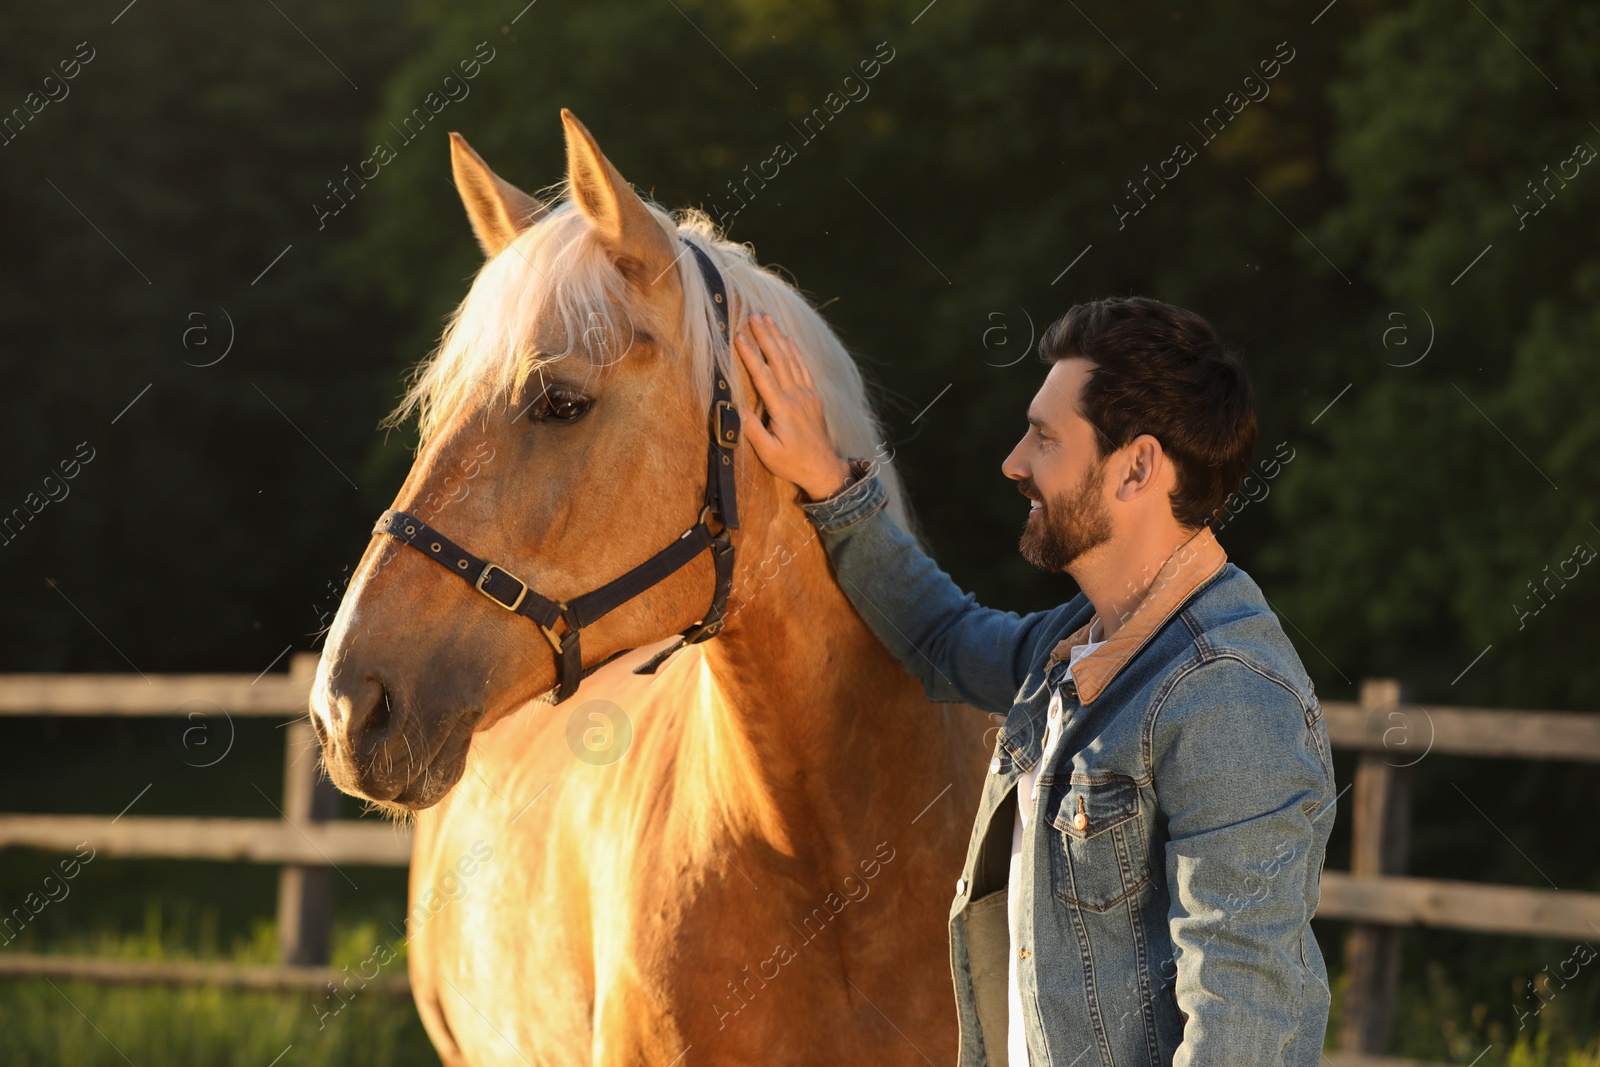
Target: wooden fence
[305, 842]
[1392, 737]
[1375, 894]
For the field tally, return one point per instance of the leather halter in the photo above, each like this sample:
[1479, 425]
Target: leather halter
[513, 594]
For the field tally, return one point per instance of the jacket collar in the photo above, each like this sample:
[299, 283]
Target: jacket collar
[1190, 566]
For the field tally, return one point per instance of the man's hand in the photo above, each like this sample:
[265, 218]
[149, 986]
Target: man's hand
[793, 442]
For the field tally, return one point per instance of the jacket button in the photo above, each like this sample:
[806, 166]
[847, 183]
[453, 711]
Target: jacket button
[1080, 821]
[961, 886]
[1022, 955]
[994, 765]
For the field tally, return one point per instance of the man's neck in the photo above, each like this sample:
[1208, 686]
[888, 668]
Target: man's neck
[1117, 576]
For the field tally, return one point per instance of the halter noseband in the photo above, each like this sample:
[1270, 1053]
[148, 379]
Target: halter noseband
[513, 594]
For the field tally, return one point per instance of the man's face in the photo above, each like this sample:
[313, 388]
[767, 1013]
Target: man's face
[1057, 466]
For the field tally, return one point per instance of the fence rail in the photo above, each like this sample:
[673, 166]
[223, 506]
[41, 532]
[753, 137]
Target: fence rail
[160, 695]
[1532, 735]
[1391, 900]
[1375, 895]
[283, 979]
[275, 841]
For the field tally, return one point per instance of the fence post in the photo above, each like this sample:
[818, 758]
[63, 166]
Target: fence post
[305, 894]
[1380, 841]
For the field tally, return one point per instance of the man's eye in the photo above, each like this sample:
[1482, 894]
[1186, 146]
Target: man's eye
[563, 405]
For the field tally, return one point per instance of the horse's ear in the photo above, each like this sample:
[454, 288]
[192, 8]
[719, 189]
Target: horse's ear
[497, 209]
[640, 247]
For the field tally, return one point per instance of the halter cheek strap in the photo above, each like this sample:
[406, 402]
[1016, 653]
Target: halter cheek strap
[720, 499]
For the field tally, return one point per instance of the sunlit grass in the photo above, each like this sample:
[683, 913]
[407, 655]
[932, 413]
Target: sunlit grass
[87, 1024]
[1435, 1023]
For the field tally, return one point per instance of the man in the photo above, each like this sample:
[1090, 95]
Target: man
[1148, 847]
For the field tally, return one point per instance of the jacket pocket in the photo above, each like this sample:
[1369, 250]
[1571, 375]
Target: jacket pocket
[1100, 855]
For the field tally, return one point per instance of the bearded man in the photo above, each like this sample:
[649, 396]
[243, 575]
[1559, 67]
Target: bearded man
[1147, 852]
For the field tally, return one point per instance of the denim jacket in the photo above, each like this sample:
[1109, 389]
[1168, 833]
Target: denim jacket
[1174, 856]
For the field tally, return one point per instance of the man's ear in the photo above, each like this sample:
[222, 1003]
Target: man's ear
[1144, 463]
[497, 209]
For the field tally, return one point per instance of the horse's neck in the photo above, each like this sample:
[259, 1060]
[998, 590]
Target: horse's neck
[817, 723]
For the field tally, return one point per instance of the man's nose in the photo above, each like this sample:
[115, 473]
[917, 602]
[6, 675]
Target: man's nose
[1013, 467]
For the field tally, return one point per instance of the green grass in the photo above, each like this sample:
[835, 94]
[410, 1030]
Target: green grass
[1440, 1017]
[86, 1024]
[1460, 994]
[1437, 1021]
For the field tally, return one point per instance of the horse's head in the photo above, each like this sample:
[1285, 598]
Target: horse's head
[564, 437]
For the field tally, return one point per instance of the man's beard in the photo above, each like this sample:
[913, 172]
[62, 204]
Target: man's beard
[1066, 528]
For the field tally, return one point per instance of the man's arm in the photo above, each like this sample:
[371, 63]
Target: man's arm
[959, 650]
[1248, 801]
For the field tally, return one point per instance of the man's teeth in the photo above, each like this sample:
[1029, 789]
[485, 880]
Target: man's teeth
[1035, 505]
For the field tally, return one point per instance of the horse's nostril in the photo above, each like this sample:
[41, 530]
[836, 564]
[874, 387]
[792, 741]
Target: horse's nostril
[371, 721]
[378, 719]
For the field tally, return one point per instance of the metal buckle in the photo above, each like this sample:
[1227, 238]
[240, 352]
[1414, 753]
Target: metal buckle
[725, 436]
[478, 585]
[555, 642]
[702, 630]
[705, 520]
[559, 642]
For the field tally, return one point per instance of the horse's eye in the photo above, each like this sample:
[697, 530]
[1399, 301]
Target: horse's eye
[563, 405]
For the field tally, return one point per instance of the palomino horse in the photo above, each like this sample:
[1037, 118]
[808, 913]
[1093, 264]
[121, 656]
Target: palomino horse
[747, 857]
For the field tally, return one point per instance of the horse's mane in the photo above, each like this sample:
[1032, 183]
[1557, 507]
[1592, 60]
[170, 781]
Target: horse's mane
[486, 353]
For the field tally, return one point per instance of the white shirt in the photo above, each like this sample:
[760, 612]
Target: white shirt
[1027, 788]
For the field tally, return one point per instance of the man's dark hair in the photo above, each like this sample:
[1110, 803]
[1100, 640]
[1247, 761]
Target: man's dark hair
[1161, 370]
